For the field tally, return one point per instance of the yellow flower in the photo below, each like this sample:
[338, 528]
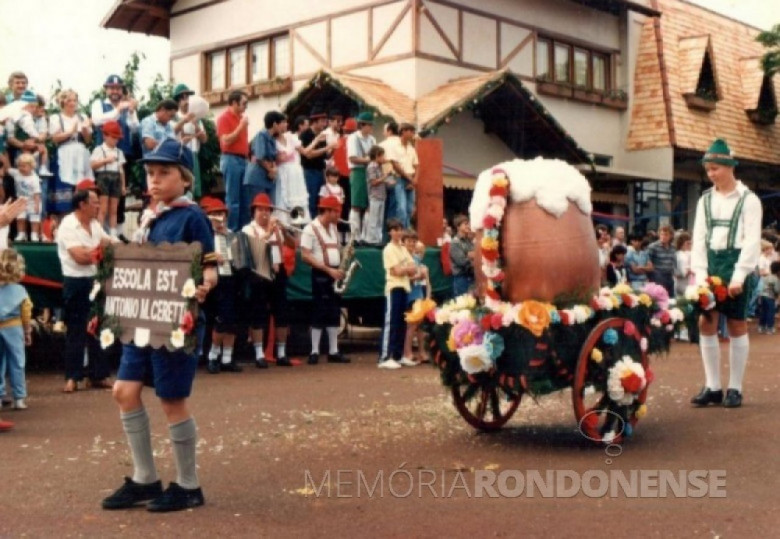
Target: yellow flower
[420, 309]
[645, 300]
[622, 289]
[489, 244]
[641, 411]
[716, 281]
[500, 181]
[596, 356]
[451, 341]
[534, 316]
[615, 301]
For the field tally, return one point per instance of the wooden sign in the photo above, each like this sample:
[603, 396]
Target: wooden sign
[148, 291]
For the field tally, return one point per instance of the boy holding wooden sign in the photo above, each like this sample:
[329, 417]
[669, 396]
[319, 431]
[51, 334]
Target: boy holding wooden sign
[174, 219]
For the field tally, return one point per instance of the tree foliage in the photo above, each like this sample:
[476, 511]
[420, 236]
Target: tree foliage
[770, 39]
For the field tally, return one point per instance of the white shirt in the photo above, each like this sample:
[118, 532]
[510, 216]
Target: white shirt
[358, 146]
[99, 117]
[24, 120]
[103, 151]
[407, 157]
[748, 237]
[253, 230]
[330, 190]
[189, 129]
[310, 241]
[71, 234]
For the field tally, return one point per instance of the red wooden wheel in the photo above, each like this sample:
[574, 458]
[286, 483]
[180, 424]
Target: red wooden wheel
[485, 408]
[589, 388]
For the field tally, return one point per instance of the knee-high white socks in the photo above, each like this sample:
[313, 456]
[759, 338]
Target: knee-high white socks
[739, 347]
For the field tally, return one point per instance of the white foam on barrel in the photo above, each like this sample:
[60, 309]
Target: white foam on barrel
[552, 182]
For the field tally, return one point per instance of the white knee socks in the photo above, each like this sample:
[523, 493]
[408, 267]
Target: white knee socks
[710, 355]
[316, 334]
[333, 340]
[738, 356]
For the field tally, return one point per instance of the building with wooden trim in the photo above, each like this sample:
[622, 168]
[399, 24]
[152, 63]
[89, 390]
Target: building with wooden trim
[579, 80]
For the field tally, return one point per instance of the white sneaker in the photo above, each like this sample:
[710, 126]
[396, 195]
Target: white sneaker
[20, 237]
[406, 362]
[43, 170]
[34, 237]
[389, 364]
[19, 404]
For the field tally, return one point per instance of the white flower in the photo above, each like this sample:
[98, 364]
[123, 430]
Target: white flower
[474, 358]
[177, 338]
[106, 338]
[141, 337]
[498, 201]
[94, 292]
[605, 303]
[692, 293]
[189, 289]
[669, 327]
[442, 317]
[624, 367]
[676, 315]
[581, 313]
[655, 322]
[462, 316]
[496, 211]
[643, 344]
[605, 291]
[490, 269]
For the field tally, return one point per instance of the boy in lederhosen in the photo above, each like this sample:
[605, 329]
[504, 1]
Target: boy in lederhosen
[726, 244]
[108, 162]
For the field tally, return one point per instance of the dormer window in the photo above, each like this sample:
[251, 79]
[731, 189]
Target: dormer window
[697, 72]
[766, 111]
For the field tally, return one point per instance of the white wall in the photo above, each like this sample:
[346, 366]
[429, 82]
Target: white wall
[468, 148]
[187, 70]
[399, 74]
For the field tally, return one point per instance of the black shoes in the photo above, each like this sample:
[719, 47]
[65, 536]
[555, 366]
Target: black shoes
[707, 396]
[283, 362]
[213, 366]
[132, 493]
[231, 367]
[261, 363]
[176, 498]
[313, 359]
[733, 399]
[338, 358]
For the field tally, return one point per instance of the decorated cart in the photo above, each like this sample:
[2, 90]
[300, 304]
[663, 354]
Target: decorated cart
[538, 321]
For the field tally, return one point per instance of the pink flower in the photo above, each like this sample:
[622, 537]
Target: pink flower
[187, 323]
[658, 293]
[467, 333]
[629, 328]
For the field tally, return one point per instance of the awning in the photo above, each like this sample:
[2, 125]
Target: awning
[507, 109]
[325, 87]
[459, 182]
[617, 6]
[151, 17]
[609, 198]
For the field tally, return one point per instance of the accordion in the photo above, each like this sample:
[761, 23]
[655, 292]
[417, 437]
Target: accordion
[251, 254]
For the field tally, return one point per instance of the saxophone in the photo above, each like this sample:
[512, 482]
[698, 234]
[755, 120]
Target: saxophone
[349, 264]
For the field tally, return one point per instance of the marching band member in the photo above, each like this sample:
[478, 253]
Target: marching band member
[269, 297]
[320, 250]
[222, 301]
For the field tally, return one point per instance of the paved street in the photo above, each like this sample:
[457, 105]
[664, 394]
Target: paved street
[262, 431]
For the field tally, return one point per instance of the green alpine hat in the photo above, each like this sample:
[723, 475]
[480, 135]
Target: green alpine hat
[181, 89]
[720, 153]
[365, 118]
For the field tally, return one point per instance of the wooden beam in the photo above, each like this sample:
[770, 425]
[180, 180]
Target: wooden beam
[441, 33]
[311, 49]
[155, 11]
[393, 27]
[509, 57]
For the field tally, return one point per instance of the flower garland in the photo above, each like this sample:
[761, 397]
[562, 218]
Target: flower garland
[491, 222]
[707, 295]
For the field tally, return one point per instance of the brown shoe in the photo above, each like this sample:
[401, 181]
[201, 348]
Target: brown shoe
[70, 386]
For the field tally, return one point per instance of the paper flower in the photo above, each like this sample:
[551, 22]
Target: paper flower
[187, 323]
[596, 356]
[692, 292]
[189, 289]
[106, 338]
[625, 381]
[474, 359]
[92, 326]
[494, 345]
[466, 333]
[622, 289]
[489, 244]
[95, 290]
[715, 280]
[645, 300]
[534, 316]
[610, 337]
[641, 411]
[177, 338]
[420, 309]
[629, 328]
[658, 294]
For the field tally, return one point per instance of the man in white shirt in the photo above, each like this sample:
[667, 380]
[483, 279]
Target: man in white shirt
[320, 250]
[726, 244]
[78, 238]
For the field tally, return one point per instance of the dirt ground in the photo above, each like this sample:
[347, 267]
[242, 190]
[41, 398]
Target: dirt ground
[261, 432]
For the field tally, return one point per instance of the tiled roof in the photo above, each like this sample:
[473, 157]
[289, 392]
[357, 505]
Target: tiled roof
[383, 97]
[681, 26]
[433, 106]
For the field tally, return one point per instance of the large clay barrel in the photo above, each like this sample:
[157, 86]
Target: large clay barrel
[545, 258]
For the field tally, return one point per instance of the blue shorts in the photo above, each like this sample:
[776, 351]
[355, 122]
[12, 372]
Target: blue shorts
[170, 373]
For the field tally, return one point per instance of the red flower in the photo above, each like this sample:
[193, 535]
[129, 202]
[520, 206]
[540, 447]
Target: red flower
[721, 293]
[564, 318]
[594, 304]
[489, 254]
[625, 298]
[92, 326]
[629, 328]
[665, 318]
[97, 254]
[631, 383]
[649, 376]
[431, 315]
[704, 301]
[491, 292]
[499, 277]
[489, 221]
[496, 191]
[496, 321]
[484, 322]
[187, 323]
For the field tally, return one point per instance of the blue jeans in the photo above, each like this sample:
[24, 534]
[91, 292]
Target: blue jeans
[767, 312]
[394, 329]
[403, 201]
[233, 168]
[753, 302]
[315, 179]
[12, 358]
[461, 284]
